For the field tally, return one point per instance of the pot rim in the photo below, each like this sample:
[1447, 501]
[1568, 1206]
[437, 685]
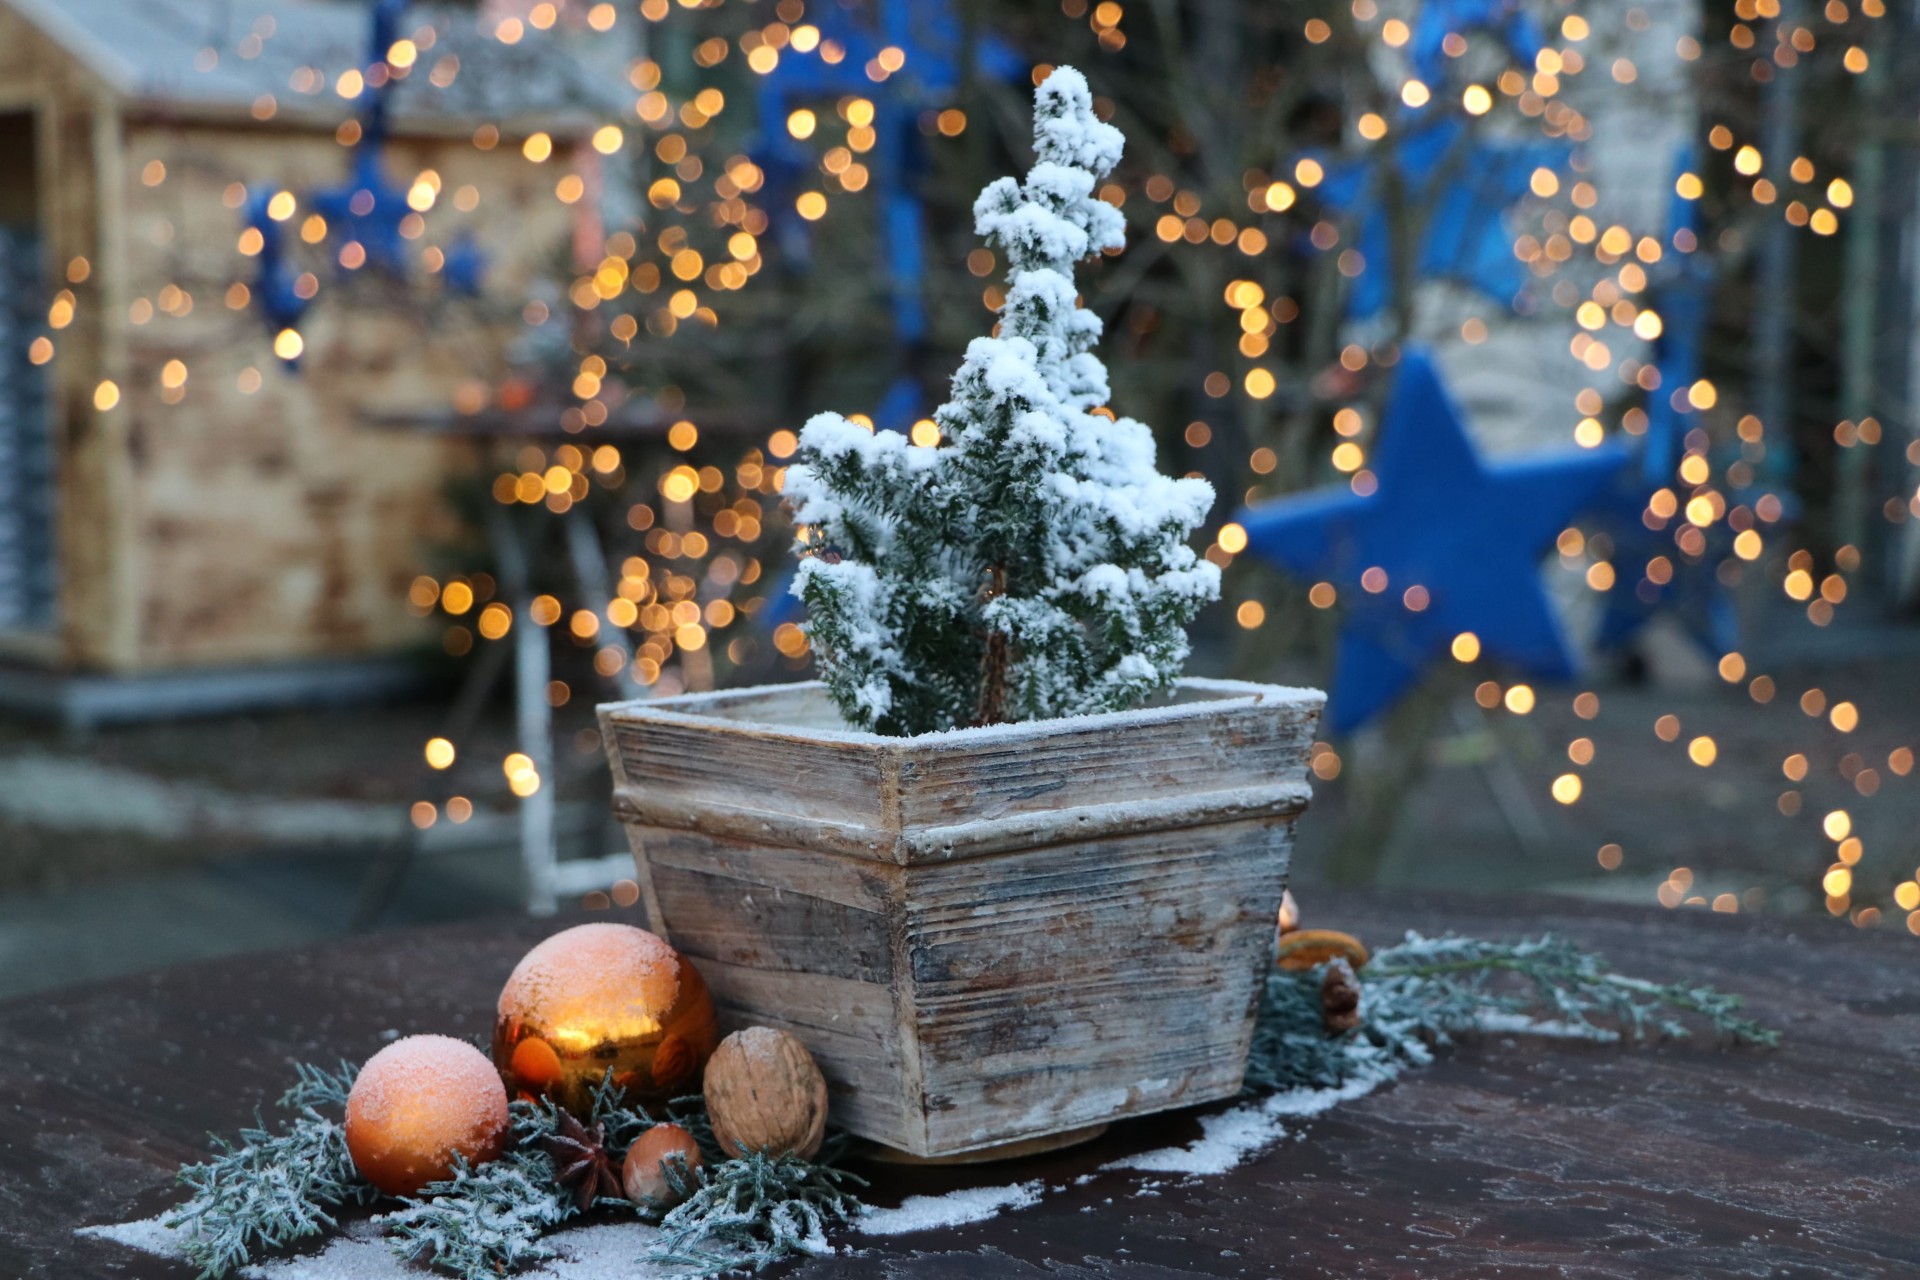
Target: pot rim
[1215, 695]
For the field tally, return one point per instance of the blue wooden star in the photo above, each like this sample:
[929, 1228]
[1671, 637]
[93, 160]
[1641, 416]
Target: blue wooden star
[369, 207]
[1468, 534]
[1458, 188]
[274, 288]
[1692, 592]
[466, 265]
[1690, 589]
[1438, 19]
[929, 33]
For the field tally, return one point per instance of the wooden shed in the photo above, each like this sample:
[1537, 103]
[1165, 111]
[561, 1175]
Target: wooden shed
[186, 521]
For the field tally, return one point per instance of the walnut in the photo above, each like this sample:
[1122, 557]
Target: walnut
[765, 1094]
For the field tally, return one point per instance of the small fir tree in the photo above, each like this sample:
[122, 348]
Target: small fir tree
[1033, 563]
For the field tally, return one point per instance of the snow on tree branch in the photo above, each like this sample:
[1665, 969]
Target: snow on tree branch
[1034, 563]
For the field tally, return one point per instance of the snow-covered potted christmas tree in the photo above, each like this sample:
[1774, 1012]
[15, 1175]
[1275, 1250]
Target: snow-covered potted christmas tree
[1004, 872]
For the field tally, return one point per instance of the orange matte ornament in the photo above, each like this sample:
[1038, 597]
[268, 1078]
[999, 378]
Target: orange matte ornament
[599, 998]
[419, 1104]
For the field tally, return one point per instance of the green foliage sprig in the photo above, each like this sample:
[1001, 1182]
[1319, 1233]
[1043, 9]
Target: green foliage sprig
[486, 1221]
[757, 1210]
[1426, 991]
[275, 1186]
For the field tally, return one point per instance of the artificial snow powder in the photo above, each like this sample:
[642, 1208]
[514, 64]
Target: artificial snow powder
[607, 1251]
[1552, 1028]
[956, 1208]
[1227, 1139]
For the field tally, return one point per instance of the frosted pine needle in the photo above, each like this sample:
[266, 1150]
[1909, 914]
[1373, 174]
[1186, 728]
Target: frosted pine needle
[274, 1187]
[483, 1222]
[756, 1210]
[1426, 991]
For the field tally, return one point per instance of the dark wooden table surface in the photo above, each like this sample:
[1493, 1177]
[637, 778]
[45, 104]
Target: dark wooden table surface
[1509, 1157]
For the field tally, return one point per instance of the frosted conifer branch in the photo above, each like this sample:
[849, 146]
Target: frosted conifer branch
[757, 1210]
[483, 1222]
[274, 1187]
[1426, 991]
[318, 1087]
[1034, 564]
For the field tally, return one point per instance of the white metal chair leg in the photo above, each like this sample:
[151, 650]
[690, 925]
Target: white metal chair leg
[533, 718]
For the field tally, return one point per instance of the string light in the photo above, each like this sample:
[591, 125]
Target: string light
[663, 290]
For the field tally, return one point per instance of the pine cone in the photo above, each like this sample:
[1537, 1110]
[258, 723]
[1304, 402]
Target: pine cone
[580, 1161]
[1339, 998]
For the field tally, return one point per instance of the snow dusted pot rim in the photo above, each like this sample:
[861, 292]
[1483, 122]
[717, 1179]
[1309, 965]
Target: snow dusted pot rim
[711, 711]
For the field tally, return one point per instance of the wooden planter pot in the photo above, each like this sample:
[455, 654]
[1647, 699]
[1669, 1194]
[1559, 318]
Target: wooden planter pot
[989, 936]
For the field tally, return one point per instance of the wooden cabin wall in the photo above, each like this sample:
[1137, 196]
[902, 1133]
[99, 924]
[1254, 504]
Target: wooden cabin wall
[78, 159]
[274, 524]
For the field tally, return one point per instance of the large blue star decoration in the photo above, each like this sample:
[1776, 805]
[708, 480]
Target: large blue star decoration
[1438, 19]
[274, 287]
[1458, 188]
[1653, 574]
[929, 36]
[368, 208]
[1448, 544]
[1653, 571]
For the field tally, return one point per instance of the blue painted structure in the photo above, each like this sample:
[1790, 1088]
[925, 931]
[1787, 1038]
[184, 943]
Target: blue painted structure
[1468, 531]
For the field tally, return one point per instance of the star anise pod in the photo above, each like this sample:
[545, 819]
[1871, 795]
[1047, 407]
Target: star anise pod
[581, 1162]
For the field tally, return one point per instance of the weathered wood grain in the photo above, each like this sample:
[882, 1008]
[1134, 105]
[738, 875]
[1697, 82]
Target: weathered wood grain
[1078, 983]
[850, 1027]
[1046, 926]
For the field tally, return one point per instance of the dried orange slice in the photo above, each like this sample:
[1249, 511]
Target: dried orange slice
[1305, 948]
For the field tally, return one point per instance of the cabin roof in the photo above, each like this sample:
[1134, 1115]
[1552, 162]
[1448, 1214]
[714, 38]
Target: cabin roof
[218, 58]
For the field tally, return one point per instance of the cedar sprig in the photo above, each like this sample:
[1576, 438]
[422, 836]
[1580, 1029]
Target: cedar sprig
[756, 1210]
[483, 1221]
[318, 1087]
[1292, 1049]
[618, 1120]
[486, 1221]
[1461, 979]
[1426, 991]
[275, 1186]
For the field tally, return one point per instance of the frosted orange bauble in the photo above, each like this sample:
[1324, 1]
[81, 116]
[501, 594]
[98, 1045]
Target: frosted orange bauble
[419, 1103]
[599, 998]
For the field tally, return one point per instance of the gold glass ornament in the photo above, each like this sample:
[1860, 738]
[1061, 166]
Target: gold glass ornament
[417, 1105]
[1302, 949]
[602, 997]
